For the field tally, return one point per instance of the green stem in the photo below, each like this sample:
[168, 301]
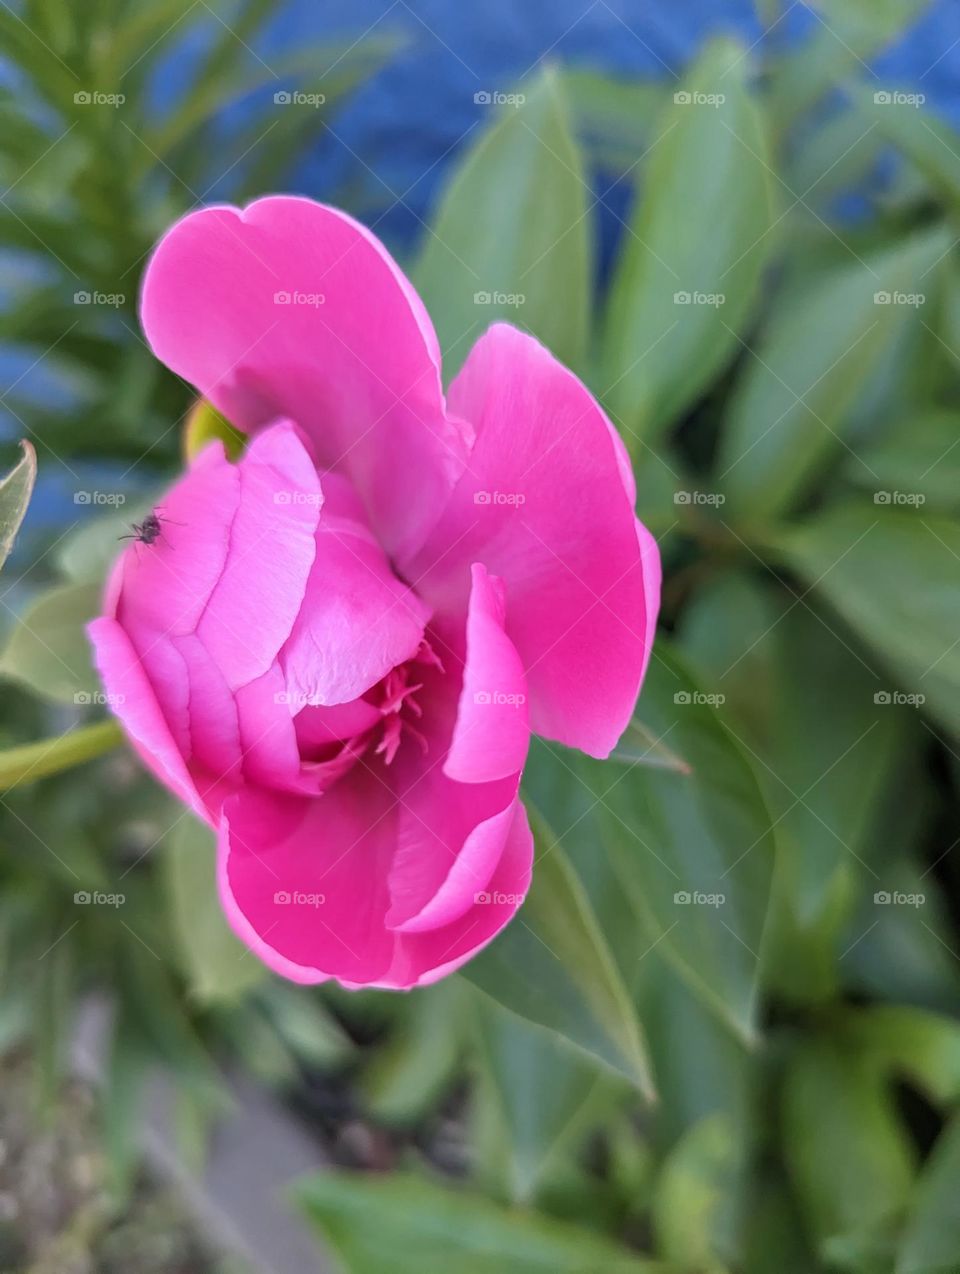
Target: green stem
[33, 761]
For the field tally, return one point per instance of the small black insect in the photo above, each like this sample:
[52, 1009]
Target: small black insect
[149, 530]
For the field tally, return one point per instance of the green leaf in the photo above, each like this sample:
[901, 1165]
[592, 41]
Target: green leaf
[819, 349]
[851, 1162]
[639, 745]
[87, 554]
[893, 575]
[689, 274]
[423, 1228]
[32, 761]
[800, 700]
[918, 460]
[540, 1095]
[696, 1211]
[552, 966]
[911, 1043]
[409, 1073]
[613, 117]
[511, 237]
[694, 852]
[15, 491]
[204, 424]
[931, 1238]
[216, 963]
[48, 650]
[931, 146]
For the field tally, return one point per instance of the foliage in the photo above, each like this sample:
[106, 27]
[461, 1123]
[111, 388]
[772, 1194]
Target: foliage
[724, 1032]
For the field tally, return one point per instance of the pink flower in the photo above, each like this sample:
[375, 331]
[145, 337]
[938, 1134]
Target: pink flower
[337, 648]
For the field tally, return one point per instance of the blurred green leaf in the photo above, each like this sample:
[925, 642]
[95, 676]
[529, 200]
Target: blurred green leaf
[931, 1237]
[694, 852]
[851, 1162]
[918, 460]
[409, 1073]
[48, 650]
[800, 700]
[215, 961]
[689, 274]
[613, 117]
[423, 1228]
[32, 761]
[893, 575]
[514, 224]
[695, 1211]
[541, 1095]
[823, 341]
[913, 1044]
[15, 491]
[552, 966]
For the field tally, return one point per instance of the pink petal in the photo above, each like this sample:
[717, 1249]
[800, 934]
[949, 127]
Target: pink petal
[492, 733]
[357, 620]
[545, 505]
[303, 880]
[132, 699]
[255, 601]
[428, 957]
[359, 369]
